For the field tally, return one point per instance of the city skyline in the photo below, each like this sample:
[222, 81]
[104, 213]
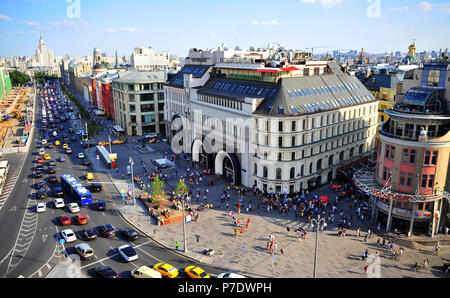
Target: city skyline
[76, 28]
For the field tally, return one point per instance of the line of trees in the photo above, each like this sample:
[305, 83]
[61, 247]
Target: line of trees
[18, 78]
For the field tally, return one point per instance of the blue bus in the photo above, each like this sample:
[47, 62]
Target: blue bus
[76, 189]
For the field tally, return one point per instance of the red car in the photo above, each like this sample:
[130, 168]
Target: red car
[81, 219]
[65, 220]
[40, 160]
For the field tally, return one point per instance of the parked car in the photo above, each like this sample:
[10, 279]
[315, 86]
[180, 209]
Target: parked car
[84, 250]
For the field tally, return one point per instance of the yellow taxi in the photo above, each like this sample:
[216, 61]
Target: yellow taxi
[103, 143]
[47, 157]
[115, 142]
[65, 146]
[166, 270]
[57, 143]
[196, 272]
[89, 176]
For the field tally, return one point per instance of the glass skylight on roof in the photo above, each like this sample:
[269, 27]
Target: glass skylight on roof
[290, 94]
[315, 91]
[325, 105]
[309, 91]
[294, 110]
[281, 110]
[320, 90]
[269, 109]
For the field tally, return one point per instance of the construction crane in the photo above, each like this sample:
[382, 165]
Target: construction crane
[312, 49]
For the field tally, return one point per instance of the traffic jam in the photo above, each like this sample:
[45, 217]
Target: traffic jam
[63, 183]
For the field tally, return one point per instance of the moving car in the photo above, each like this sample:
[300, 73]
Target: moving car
[130, 234]
[196, 272]
[47, 157]
[53, 179]
[89, 176]
[84, 250]
[58, 192]
[69, 150]
[41, 194]
[59, 203]
[101, 205]
[41, 207]
[51, 170]
[166, 270]
[89, 234]
[106, 272]
[41, 151]
[145, 272]
[86, 162]
[52, 162]
[65, 220]
[68, 235]
[40, 160]
[96, 187]
[230, 275]
[38, 174]
[81, 219]
[65, 146]
[40, 184]
[108, 230]
[81, 155]
[73, 207]
[128, 253]
[61, 159]
[57, 143]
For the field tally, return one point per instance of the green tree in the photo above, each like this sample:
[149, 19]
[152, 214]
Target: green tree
[105, 64]
[18, 78]
[181, 189]
[157, 190]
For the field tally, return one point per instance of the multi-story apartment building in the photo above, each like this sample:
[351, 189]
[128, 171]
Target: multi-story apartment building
[139, 102]
[273, 124]
[411, 180]
[146, 59]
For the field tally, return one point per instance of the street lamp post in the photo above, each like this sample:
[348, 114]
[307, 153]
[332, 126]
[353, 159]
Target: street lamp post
[184, 225]
[109, 139]
[319, 223]
[132, 179]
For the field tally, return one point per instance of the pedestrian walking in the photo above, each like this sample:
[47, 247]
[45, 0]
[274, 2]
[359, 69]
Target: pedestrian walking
[281, 251]
[154, 234]
[176, 245]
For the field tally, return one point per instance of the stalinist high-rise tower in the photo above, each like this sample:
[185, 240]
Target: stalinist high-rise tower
[43, 58]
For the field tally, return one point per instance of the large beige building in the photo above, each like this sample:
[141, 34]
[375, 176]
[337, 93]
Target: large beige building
[271, 123]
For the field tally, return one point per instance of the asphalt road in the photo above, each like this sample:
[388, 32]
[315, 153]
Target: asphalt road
[30, 240]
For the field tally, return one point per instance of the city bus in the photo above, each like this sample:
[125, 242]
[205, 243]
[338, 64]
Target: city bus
[76, 189]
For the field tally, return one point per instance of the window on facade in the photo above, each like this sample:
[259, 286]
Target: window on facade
[293, 156]
[265, 172]
[280, 142]
[351, 152]
[434, 158]
[255, 169]
[430, 181]
[405, 156]
[280, 126]
[293, 142]
[319, 164]
[292, 173]
[279, 156]
[409, 180]
[424, 181]
[384, 173]
[412, 157]
[310, 168]
[278, 174]
[331, 159]
[402, 179]
[426, 160]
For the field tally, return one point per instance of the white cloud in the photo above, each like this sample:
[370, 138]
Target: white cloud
[425, 7]
[31, 23]
[445, 8]
[5, 18]
[404, 8]
[128, 29]
[266, 23]
[325, 3]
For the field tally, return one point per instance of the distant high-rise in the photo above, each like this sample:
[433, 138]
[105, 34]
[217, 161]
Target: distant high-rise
[43, 57]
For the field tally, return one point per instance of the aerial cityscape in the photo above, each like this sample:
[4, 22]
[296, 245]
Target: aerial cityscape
[199, 140]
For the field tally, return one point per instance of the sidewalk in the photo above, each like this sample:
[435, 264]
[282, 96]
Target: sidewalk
[337, 257]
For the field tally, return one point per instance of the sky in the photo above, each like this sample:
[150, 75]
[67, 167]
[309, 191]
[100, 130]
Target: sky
[76, 27]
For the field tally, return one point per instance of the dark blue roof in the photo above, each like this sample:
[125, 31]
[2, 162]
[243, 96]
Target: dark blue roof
[238, 89]
[197, 71]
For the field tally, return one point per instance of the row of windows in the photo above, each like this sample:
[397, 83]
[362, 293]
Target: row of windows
[321, 121]
[409, 156]
[293, 175]
[221, 101]
[406, 178]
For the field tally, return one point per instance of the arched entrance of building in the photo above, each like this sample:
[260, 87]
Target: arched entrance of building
[228, 166]
[200, 156]
[176, 127]
[330, 177]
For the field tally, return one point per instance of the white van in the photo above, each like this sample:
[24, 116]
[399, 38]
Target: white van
[145, 272]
